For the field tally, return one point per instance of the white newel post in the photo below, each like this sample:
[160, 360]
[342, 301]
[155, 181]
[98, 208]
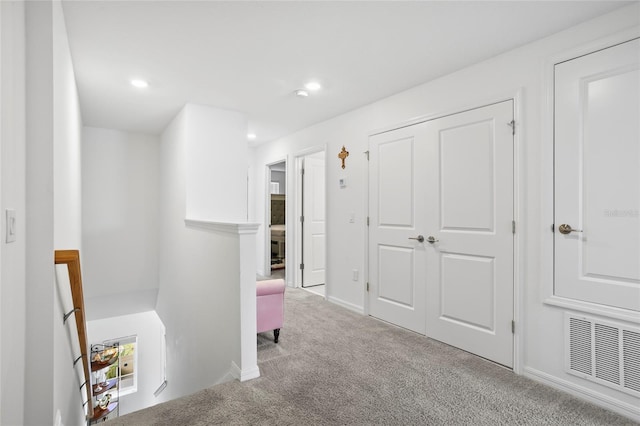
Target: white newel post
[248, 341]
[245, 365]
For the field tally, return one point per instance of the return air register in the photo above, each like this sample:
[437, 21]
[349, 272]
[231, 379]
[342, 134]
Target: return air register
[604, 352]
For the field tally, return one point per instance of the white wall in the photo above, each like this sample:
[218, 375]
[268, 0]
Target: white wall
[52, 164]
[198, 298]
[12, 196]
[39, 210]
[150, 368]
[217, 174]
[120, 221]
[519, 72]
[345, 240]
[67, 129]
[67, 125]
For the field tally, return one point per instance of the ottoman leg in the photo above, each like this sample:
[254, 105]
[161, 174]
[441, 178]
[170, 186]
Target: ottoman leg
[276, 334]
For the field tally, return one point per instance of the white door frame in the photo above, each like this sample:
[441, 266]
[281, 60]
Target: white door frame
[267, 215]
[518, 206]
[296, 241]
[547, 171]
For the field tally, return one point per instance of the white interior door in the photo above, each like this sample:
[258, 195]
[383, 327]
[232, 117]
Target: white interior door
[397, 262]
[597, 177]
[440, 233]
[313, 225]
[469, 179]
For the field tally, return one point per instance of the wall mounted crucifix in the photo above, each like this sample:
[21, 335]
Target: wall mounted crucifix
[343, 155]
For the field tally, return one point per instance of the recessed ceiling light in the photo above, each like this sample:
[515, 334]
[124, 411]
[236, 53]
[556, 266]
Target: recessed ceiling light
[302, 93]
[313, 86]
[251, 136]
[141, 84]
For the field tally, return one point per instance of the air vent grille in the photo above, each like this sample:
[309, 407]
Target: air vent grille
[631, 359]
[607, 354]
[604, 352]
[580, 354]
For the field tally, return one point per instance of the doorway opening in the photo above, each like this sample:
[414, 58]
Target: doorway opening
[311, 205]
[276, 218]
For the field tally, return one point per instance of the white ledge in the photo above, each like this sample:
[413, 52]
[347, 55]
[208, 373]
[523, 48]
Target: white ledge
[226, 227]
[592, 308]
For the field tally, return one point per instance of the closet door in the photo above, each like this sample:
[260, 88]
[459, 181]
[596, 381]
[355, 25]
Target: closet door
[440, 234]
[397, 212]
[597, 177]
[470, 262]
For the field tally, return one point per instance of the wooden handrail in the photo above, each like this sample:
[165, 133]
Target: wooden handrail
[72, 259]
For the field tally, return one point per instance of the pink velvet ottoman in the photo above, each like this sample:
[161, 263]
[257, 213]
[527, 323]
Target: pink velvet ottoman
[270, 306]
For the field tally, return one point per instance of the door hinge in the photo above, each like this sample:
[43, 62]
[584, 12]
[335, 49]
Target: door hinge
[513, 226]
[301, 219]
[302, 171]
[513, 327]
[367, 220]
[367, 154]
[302, 266]
[553, 227]
[367, 285]
[512, 124]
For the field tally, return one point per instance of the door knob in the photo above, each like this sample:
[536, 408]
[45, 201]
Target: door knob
[567, 229]
[432, 240]
[420, 238]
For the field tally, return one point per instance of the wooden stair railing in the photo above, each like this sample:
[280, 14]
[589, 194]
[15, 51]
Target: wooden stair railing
[72, 259]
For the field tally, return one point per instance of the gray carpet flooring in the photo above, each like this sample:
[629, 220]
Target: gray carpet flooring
[335, 367]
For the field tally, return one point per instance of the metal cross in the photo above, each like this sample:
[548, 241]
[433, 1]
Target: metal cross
[343, 155]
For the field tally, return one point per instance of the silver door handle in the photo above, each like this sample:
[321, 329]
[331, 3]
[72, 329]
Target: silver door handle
[432, 240]
[420, 238]
[567, 229]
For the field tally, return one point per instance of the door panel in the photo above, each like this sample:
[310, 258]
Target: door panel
[466, 177]
[597, 177]
[318, 252]
[470, 267]
[397, 262]
[313, 227]
[395, 183]
[396, 265]
[468, 302]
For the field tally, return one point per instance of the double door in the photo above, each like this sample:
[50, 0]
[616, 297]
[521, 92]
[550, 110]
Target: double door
[441, 229]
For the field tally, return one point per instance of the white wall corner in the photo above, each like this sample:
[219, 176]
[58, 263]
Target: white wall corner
[211, 177]
[350, 306]
[232, 374]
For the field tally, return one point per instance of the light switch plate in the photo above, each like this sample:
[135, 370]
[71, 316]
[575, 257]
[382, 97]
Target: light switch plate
[10, 225]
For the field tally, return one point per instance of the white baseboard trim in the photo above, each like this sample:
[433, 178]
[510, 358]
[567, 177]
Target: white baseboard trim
[604, 401]
[226, 378]
[244, 375]
[347, 305]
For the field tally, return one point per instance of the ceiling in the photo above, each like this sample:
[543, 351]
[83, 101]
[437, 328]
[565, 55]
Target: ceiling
[251, 56]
